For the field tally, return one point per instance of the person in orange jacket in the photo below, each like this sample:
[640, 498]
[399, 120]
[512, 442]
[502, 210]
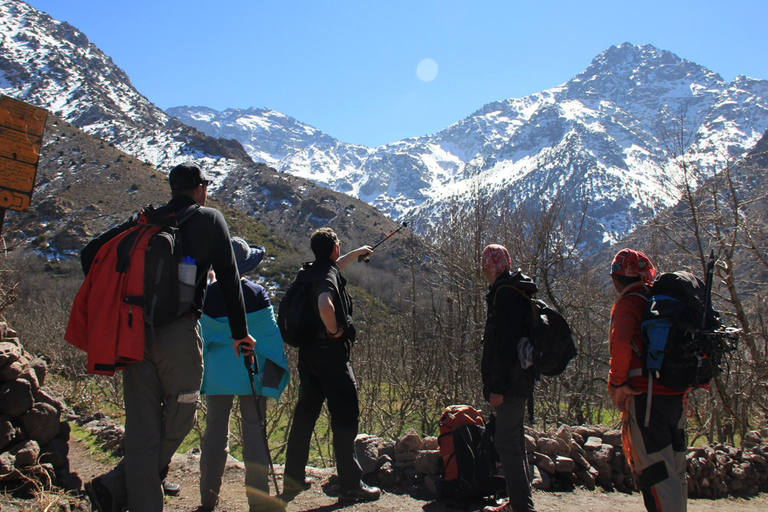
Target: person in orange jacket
[655, 448]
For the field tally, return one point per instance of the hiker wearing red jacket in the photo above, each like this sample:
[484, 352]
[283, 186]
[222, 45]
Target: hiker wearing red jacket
[161, 391]
[656, 451]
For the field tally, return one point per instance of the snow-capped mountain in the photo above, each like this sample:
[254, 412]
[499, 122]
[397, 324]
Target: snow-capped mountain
[53, 65]
[604, 136]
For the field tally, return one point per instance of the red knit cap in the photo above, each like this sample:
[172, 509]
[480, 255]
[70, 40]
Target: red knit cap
[496, 259]
[631, 263]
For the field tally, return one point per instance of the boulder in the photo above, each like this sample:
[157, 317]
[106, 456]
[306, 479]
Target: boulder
[15, 398]
[544, 462]
[11, 371]
[40, 367]
[539, 479]
[428, 462]
[25, 453]
[530, 444]
[430, 443]
[547, 446]
[44, 396]
[367, 451]
[612, 437]
[55, 453]
[9, 353]
[387, 448]
[8, 469]
[7, 432]
[601, 456]
[593, 443]
[564, 464]
[41, 422]
[388, 475]
[30, 376]
[410, 442]
[564, 432]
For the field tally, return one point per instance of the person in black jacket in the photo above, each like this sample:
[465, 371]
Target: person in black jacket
[507, 385]
[161, 392]
[325, 373]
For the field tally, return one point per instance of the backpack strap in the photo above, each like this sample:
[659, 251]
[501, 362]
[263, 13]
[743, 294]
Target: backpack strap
[534, 316]
[186, 213]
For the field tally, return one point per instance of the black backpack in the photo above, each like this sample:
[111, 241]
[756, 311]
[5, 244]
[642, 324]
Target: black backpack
[163, 298]
[677, 350]
[297, 315]
[553, 345]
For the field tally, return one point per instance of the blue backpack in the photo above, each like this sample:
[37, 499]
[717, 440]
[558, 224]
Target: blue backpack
[677, 350]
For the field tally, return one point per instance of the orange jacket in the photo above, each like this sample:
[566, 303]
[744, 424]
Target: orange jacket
[626, 342]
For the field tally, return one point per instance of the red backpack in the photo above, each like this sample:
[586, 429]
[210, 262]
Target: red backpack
[454, 417]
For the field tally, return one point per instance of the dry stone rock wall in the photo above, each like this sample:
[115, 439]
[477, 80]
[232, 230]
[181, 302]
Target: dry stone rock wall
[34, 441]
[585, 456]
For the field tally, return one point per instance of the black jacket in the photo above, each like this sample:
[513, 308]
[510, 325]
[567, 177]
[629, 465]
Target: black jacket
[508, 321]
[328, 277]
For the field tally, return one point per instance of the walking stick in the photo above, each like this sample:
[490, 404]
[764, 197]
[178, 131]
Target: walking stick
[249, 358]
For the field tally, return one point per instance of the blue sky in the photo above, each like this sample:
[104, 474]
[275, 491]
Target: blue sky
[352, 68]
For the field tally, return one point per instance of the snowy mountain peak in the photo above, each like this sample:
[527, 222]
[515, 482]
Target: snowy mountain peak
[600, 136]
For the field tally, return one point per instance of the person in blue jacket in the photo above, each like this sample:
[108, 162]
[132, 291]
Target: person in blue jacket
[225, 376]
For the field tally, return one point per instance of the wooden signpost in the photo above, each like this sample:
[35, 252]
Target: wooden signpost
[21, 137]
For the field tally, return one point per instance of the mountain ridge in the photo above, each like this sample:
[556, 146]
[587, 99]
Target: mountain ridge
[603, 138]
[613, 119]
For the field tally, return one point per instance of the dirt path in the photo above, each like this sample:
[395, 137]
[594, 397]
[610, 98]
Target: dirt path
[184, 470]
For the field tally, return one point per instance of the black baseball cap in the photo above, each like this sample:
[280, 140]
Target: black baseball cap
[187, 176]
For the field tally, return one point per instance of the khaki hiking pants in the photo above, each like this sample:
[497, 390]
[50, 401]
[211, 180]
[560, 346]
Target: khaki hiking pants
[161, 395]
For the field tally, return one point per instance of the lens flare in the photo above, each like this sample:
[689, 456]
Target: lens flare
[426, 70]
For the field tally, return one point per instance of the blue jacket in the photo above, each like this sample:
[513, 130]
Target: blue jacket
[225, 374]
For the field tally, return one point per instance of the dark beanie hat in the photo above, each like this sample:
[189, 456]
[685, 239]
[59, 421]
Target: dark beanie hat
[187, 176]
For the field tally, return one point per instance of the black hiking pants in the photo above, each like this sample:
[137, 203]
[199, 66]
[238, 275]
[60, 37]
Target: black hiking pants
[325, 373]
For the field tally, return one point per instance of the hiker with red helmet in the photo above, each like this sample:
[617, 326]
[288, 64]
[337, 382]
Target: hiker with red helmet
[657, 451]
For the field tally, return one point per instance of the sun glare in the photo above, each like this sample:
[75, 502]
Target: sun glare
[426, 70]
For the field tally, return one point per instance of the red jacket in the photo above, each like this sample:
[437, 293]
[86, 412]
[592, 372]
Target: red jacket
[102, 322]
[626, 342]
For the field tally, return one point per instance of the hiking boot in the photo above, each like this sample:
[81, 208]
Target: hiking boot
[101, 498]
[293, 487]
[501, 508]
[362, 493]
[171, 489]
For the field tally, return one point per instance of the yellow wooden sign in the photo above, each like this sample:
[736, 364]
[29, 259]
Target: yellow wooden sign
[21, 137]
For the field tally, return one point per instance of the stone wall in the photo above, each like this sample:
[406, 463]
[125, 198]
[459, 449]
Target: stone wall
[34, 441]
[586, 456]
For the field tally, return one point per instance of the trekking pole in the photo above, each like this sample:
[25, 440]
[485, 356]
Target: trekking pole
[709, 278]
[249, 359]
[364, 257]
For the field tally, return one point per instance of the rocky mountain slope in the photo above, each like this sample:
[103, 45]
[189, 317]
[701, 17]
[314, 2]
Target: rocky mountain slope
[95, 110]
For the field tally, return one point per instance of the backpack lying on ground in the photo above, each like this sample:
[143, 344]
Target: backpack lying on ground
[682, 333]
[469, 458]
[550, 346]
[132, 282]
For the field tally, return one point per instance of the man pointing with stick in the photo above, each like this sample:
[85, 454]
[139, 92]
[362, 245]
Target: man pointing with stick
[325, 373]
